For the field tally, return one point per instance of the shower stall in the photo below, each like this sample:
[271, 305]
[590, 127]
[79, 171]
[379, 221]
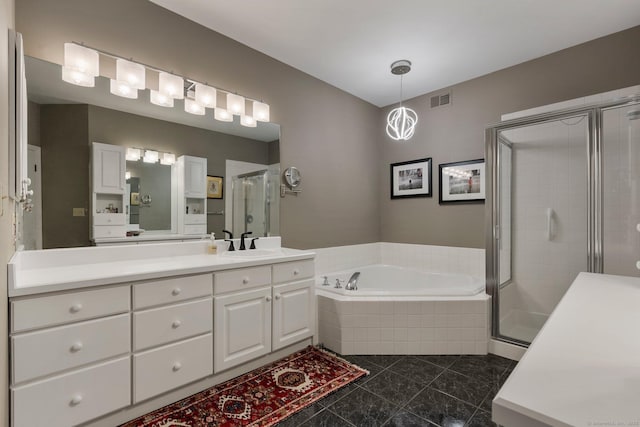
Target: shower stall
[252, 207]
[563, 197]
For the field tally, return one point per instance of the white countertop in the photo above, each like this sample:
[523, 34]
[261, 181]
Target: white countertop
[35, 272]
[583, 368]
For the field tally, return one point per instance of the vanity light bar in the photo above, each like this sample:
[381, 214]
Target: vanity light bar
[81, 66]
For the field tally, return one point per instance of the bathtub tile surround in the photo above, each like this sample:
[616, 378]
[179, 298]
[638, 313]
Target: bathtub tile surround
[403, 325]
[393, 395]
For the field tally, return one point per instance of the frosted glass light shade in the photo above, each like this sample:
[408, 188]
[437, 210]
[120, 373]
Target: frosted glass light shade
[222, 115]
[206, 95]
[248, 121]
[171, 85]
[77, 78]
[260, 111]
[192, 107]
[131, 73]
[81, 59]
[235, 104]
[150, 156]
[161, 99]
[133, 154]
[123, 89]
[168, 159]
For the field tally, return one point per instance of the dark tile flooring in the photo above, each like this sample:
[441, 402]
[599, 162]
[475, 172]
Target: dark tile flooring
[445, 391]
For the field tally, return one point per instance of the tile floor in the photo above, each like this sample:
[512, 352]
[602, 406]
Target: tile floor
[445, 391]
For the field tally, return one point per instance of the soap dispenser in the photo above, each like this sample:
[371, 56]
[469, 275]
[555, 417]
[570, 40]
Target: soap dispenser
[213, 248]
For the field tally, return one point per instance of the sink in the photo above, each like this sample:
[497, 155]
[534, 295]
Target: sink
[252, 253]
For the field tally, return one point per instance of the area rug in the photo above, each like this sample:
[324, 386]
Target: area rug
[262, 397]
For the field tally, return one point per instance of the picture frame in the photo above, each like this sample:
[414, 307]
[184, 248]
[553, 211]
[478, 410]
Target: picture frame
[135, 199]
[214, 187]
[411, 178]
[462, 182]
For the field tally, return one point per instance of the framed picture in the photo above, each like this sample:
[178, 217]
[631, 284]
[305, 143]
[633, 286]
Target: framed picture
[462, 182]
[411, 179]
[135, 199]
[214, 187]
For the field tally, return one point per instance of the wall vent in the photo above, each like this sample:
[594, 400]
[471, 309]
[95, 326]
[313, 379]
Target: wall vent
[440, 100]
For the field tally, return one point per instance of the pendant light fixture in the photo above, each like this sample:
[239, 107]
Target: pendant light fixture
[401, 121]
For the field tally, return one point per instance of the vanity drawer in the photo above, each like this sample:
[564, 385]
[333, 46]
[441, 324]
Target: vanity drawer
[156, 371]
[69, 346]
[38, 312]
[73, 398]
[165, 291]
[106, 231]
[109, 219]
[289, 271]
[195, 219]
[237, 280]
[194, 229]
[166, 324]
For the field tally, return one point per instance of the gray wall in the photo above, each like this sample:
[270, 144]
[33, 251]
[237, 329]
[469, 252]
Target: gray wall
[6, 207]
[330, 135]
[33, 122]
[456, 132]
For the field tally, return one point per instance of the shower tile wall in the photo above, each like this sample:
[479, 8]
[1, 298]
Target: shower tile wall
[549, 171]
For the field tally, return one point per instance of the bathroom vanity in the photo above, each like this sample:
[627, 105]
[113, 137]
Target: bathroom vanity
[105, 334]
[583, 368]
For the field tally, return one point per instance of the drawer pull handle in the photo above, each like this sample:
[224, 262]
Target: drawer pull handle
[296, 272]
[75, 308]
[268, 299]
[245, 280]
[177, 366]
[277, 296]
[76, 347]
[176, 292]
[75, 401]
[176, 324]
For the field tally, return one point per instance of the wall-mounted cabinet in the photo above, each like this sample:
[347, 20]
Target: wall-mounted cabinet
[191, 178]
[108, 191]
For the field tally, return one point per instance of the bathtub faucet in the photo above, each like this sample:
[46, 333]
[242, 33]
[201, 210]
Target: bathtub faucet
[352, 284]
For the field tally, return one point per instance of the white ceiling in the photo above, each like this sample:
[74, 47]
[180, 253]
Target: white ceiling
[351, 43]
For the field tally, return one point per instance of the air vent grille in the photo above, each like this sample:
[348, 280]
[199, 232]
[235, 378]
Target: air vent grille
[440, 100]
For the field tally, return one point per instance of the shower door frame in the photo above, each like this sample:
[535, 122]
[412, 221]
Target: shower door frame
[594, 173]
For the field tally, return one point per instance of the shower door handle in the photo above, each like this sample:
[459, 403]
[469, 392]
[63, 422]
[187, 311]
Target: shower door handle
[550, 224]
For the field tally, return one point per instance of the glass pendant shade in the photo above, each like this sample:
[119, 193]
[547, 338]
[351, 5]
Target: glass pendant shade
[192, 107]
[150, 156]
[401, 123]
[171, 85]
[161, 99]
[248, 121]
[77, 78]
[168, 159]
[235, 104]
[222, 115]
[206, 96]
[260, 111]
[81, 59]
[133, 154]
[131, 73]
[123, 89]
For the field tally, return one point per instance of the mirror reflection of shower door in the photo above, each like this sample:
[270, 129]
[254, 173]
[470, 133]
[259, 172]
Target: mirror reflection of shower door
[542, 220]
[251, 203]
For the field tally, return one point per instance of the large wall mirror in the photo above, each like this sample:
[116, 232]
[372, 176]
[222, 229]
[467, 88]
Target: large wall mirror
[63, 121]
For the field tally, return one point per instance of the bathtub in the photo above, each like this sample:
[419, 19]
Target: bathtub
[389, 280]
[398, 310]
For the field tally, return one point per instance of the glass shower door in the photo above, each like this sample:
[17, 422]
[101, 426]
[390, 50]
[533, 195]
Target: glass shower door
[251, 203]
[541, 220]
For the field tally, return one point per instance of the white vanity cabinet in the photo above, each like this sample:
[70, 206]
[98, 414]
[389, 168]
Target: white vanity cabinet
[70, 354]
[191, 179]
[108, 203]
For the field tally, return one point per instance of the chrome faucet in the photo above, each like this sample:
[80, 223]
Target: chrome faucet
[338, 285]
[352, 284]
[326, 281]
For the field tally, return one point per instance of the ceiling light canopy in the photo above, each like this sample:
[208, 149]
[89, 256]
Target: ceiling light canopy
[401, 121]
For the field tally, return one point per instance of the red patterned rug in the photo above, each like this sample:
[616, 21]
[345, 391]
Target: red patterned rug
[261, 397]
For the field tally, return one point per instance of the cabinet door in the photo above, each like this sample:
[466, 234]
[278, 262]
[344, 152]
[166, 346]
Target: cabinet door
[242, 323]
[108, 168]
[195, 177]
[293, 313]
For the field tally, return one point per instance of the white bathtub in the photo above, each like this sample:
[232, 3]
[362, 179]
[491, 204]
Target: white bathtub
[398, 310]
[388, 280]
